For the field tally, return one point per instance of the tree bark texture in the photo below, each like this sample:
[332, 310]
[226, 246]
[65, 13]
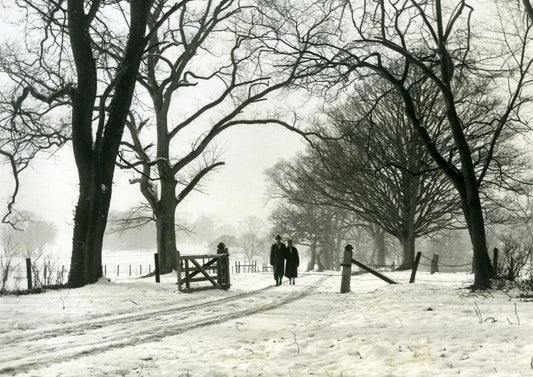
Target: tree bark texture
[378, 238]
[166, 226]
[96, 160]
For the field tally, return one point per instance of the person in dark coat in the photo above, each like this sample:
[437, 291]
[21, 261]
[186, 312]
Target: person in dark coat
[293, 261]
[277, 259]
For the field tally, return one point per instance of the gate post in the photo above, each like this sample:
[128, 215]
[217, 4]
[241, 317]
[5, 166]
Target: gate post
[225, 270]
[28, 273]
[346, 269]
[178, 269]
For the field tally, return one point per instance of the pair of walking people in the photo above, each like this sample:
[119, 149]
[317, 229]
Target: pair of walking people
[279, 253]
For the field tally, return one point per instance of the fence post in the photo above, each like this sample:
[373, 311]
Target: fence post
[130, 269]
[118, 269]
[435, 263]
[224, 271]
[141, 270]
[226, 264]
[495, 262]
[156, 261]
[187, 279]
[346, 269]
[28, 273]
[178, 269]
[415, 267]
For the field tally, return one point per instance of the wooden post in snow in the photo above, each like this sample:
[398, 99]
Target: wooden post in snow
[156, 261]
[415, 267]
[346, 269]
[28, 273]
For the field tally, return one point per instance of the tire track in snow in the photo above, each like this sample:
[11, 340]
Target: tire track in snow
[76, 327]
[92, 337]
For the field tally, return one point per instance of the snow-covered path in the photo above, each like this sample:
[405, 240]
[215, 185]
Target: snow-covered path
[432, 328]
[59, 343]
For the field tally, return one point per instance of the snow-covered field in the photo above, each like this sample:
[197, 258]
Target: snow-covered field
[435, 327]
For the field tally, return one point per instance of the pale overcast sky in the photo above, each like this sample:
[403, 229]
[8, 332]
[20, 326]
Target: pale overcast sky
[232, 192]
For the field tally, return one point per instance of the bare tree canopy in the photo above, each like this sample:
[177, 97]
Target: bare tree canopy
[210, 68]
[444, 42]
[72, 67]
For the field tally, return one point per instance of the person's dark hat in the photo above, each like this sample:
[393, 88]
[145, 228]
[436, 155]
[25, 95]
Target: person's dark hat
[348, 247]
[278, 237]
[221, 245]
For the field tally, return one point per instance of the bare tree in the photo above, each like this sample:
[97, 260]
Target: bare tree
[321, 227]
[298, 220]
[379, 169]
[24, 132]
[443, 44]
[75, 66]
[251, 238]
[219, 54]
[10, 249]
[31, 238]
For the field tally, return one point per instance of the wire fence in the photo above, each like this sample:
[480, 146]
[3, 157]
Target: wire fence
[446, 264]
[22, 274]
[18, 274]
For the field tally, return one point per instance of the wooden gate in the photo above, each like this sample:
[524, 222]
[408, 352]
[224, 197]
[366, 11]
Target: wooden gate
[213, 268]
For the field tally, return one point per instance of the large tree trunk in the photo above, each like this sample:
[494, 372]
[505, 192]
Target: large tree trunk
[407, 241]
[409, 203]
[408, 234]
[466, 183]
[83, 102]
[319, 264]
[379, 244]
[337, 254]
[476, 228]
[90, 221]
[166, 226]
[379, 249]
[327, 253]
[96, 163]
[166, 242]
